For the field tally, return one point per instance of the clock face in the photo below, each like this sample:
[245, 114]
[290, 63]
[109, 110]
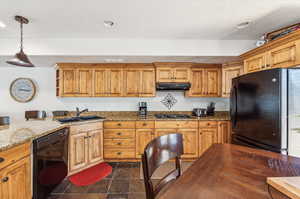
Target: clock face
[22, 89]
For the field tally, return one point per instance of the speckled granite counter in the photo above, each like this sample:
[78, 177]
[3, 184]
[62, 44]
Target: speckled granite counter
[21, 132]
[25, 131]
[133, 115]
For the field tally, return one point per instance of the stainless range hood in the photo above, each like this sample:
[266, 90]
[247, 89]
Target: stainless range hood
[173, 86]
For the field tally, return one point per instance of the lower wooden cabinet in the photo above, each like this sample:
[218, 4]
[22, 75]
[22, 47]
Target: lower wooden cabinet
[85, 148]
[15, 173]
[143, 137]
[224, 132]
[207, 137]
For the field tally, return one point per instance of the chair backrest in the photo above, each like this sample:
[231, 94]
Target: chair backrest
[156, 153]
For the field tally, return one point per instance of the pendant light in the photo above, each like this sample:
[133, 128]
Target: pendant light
[21, 59]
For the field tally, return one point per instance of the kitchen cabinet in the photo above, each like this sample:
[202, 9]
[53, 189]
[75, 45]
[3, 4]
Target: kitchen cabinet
[140, 81]
[85, 146]
[108, 81]
[15, 173]
[173, 72]
[189, 131]
[144, 134]
[230, 71]
[207, 137]
[119, 140]
[205, 82]
[283, 52]
[224, 132]
[75, 82]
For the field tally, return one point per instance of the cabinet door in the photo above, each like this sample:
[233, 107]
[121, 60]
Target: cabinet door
[207, 137]
[143, 137]
[283, 56]
[224, 132]
[190, 142]
[95, 146]
[213, 84]
[16, 180]
[100, 82]
[197, 83]
[227, 75]
[181, 74]
[255, 63]
[161, 132]
[115, 82]
[164, 74]
[147, 85]
[84, 82]
[132, 82]
[78, 151]
[69, 85]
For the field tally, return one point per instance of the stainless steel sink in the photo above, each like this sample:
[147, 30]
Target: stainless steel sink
[80, 119]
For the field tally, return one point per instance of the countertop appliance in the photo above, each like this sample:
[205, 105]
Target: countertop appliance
[4, 120]
[172, 116]
[50, 160]
[265, 110]
[172, 86]
[142, 109]
[199, 112]
[38, 115]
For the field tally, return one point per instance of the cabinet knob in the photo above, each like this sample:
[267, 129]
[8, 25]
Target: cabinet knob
[119, 124]
[1, 159]
[119, 133]
[119, 153]
[144, 124]
[119, 143]
[5, 179]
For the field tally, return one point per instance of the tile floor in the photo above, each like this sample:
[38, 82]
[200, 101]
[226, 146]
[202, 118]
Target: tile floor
[123, 183]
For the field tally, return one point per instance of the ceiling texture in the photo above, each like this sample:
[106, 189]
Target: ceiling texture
[148, 19]
[170, 19]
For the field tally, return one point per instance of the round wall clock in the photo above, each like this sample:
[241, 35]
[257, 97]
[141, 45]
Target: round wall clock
[22, 90]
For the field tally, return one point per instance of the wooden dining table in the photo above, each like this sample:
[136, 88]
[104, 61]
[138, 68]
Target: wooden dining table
[227, 171]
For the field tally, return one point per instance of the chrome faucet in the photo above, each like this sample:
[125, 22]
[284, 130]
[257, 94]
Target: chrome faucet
[79, 112]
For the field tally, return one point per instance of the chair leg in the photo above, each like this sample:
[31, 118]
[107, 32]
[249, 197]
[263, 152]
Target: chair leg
[178, 166]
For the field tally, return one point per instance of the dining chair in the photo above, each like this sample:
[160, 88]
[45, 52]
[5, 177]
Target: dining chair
[157, 152]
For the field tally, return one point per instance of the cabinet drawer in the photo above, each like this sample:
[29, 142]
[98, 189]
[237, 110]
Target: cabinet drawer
[176, 124]
[119, 143]
[145, 124]
[119, 133]
[119, 125]
[14, 154]
[207, 124]
[85, 127]
[119, 153]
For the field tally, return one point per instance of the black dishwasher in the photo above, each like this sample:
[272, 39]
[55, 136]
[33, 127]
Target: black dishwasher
[50, 162]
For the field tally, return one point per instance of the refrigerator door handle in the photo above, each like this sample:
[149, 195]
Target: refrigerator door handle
[233, 105]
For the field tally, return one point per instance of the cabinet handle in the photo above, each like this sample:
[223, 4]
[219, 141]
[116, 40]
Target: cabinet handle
[5, 179]
[1, 159]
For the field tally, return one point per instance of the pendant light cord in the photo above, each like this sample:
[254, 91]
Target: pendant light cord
[21, 25]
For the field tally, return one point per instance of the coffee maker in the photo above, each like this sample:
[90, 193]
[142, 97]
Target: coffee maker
[142, 109]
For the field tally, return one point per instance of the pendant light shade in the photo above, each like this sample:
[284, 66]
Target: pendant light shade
[21, 59]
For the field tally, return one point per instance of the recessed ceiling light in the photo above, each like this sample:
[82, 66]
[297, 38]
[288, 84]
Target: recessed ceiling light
[2, 25]
[108, 24]
[243, 25]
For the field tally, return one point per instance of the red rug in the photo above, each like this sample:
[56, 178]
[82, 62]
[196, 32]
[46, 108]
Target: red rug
[91, 175]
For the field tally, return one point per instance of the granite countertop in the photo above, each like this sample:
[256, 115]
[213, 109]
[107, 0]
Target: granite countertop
[24, 131]
[133, 115]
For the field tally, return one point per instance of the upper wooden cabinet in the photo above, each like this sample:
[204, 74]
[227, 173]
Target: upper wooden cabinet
[139, 80]
[230, 71]
[108, 81]
[105, 80]
[280, 53]
[75, 82]
[205, 82]
[173, 72]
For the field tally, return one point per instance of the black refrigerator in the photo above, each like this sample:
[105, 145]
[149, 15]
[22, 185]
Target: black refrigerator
[260, 103]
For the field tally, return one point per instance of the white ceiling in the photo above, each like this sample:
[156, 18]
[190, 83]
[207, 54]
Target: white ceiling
[166, 19]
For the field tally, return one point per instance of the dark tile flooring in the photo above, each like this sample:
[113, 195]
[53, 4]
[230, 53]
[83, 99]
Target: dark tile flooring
[123, 183]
